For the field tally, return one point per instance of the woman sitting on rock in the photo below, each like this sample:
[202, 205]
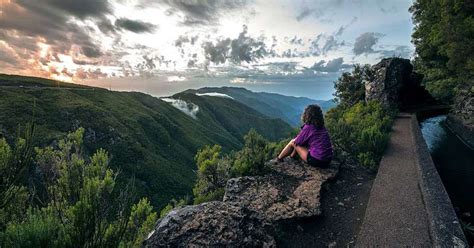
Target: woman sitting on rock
[312, 144]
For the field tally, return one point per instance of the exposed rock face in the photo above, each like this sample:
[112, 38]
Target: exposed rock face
[393, 83]
[292, 190]
[461, 120]
[251, 205]
[212, 224]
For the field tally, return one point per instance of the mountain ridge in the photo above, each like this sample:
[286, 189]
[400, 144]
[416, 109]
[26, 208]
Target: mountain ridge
[287, 108]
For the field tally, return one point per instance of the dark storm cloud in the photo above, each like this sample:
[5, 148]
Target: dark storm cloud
[217, 53]
[242, 49]
[202, 12]
[134, 25]
[334, 65]
[49, 22]
[364, 44]
[81, 9]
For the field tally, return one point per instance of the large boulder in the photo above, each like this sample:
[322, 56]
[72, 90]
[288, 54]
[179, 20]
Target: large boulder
[291, 190]
[394, 83]
[250, 208]
[211, 224]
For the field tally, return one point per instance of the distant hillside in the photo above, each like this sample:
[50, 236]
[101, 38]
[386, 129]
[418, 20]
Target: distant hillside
[147, 137]
[287, 108]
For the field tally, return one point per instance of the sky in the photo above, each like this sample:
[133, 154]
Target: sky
[161, 47]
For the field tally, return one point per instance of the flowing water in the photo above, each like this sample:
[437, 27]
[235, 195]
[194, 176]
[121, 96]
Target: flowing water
[454, 161]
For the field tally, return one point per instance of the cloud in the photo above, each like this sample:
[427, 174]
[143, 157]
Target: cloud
[190, 108]
[202, 12]
[26, 24]
[215, 94]
[82, 74]
[343, 28]
[305, 13]
[81, 9]
[297, 41]
[218, 52]
[8, 55]
[333, 65]
[365, 42]
[399, 51]
[331, 44]
[134, 25]
[242, 49]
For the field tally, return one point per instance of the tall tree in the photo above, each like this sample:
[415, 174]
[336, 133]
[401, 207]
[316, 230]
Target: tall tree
[443, 37]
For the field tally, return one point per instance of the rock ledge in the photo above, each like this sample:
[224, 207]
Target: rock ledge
[250, 207]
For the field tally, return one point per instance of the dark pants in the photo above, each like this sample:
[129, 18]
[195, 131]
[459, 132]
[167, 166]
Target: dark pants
[318, 163]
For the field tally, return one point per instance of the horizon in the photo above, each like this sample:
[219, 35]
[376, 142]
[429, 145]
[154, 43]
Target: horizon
[165, 47]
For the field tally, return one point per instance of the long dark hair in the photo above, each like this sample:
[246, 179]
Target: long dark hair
[313, 115]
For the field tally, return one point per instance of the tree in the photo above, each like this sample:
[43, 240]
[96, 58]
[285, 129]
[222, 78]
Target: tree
[350, 87]
[212, 174]
[444, 30]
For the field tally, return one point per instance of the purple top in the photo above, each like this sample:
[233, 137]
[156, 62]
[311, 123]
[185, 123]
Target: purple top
[316, 140]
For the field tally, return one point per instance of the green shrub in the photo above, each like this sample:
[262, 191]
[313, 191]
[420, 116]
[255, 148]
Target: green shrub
[212, 174]
[250, 160]
[214, 169]
[361, 130]
[81, 205]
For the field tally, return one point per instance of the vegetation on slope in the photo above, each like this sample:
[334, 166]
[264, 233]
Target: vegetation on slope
[358, 129]
[72, 201]
[147, 138]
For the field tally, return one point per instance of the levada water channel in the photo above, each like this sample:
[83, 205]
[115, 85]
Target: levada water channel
[454, 161]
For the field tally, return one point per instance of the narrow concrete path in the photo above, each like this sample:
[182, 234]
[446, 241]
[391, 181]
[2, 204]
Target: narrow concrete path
[395, 214]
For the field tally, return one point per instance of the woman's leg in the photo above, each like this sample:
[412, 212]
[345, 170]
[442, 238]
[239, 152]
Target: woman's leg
[287, 150]
[293, 153]
[302, 152]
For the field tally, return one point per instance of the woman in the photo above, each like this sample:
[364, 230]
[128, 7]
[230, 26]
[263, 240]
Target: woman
[312, 144]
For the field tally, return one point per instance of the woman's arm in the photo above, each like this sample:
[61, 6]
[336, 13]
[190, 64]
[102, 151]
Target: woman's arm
[302, 137]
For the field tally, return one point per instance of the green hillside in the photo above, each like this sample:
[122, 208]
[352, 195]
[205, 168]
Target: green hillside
[146, 137]
[287, 108]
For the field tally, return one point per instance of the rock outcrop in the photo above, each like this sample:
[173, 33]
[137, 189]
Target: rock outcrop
[292, 190]
[212, 224]
[250, 208]
[394, 83]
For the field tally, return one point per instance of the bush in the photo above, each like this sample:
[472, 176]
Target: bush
[251, 159]
[80, 206]
[361, 130]
[214, 169]
[212, 174]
